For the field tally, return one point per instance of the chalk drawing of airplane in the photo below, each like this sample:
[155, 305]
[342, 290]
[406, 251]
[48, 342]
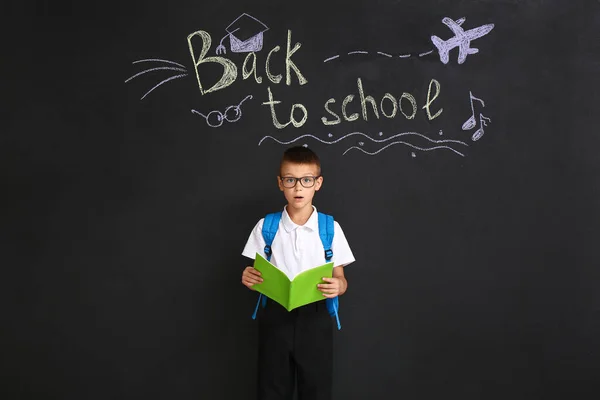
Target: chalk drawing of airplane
[462, 39]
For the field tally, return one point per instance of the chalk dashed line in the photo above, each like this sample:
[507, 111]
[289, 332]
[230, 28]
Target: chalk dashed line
[380, 53]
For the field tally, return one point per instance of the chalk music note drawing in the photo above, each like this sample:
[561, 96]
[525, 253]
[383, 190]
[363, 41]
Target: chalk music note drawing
[479, 132]
[472, 121]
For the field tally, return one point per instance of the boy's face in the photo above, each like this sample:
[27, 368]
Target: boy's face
[295, 191]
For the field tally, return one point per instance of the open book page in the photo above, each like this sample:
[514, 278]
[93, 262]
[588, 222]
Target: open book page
[304, 286]
[291, 294]
[275, 284]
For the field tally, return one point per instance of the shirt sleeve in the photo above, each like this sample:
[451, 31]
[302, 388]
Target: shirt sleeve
[342, 255]
[256, 242]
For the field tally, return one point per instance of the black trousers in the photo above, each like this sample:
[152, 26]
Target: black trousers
[295, 347]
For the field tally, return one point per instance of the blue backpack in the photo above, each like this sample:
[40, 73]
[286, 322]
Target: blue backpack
[326, 229]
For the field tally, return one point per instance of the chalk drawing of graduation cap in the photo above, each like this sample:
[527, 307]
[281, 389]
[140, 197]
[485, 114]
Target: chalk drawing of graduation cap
[245, 35]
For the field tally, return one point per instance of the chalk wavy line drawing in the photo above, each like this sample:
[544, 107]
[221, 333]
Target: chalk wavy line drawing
[366, 136]
[401, 142]
[161, 68]
[331, 58]
[426, 53]
[358, 52]
[384, 54]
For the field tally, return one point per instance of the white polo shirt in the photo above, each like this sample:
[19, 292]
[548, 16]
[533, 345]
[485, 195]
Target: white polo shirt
[297, 248]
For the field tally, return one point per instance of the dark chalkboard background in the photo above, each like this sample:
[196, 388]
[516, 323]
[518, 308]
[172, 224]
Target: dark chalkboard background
[122, 220]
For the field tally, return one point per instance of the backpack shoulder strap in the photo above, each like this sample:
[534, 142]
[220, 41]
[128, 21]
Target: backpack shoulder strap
[269, 230]
[326, 229]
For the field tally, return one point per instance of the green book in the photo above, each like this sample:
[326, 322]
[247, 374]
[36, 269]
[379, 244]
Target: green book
[295, 293]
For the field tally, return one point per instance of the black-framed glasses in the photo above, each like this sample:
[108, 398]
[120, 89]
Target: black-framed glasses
[306, 181]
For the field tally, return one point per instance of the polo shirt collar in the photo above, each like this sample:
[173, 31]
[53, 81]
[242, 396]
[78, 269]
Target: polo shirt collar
[289, 225]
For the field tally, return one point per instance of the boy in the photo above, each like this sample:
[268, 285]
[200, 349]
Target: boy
[296, 346]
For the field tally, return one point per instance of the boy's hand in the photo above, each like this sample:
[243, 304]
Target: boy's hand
[250, 277]
[332, 288]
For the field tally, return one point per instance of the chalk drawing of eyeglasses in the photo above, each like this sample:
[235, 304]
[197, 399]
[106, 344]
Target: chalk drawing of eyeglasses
[215, 118]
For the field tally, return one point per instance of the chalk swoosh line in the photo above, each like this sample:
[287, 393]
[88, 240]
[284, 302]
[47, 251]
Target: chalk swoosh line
[155, 69]
[366, 136]
[401, 142]
[158, 60]
[163, 82]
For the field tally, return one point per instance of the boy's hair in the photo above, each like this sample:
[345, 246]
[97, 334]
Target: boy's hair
[301, 155]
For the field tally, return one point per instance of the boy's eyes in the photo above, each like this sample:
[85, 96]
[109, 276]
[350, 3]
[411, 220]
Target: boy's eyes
[305, 181]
